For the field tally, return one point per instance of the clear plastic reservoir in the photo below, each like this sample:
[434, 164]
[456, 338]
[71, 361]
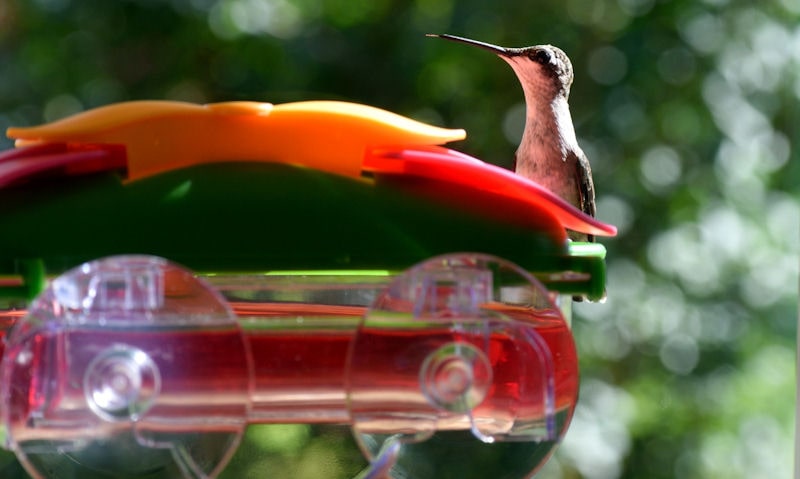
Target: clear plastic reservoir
[462, 366]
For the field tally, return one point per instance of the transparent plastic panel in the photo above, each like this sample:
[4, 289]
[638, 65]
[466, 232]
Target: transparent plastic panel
[126, 367]
[299, 325]
[462, 366]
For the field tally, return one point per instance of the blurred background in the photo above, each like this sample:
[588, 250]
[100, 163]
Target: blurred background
[688, 111]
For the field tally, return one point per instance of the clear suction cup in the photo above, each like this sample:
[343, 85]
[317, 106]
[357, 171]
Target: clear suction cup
[463, 367]
[116, 371]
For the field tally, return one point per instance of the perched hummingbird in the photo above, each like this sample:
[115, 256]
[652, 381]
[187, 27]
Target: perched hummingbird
[548, 153]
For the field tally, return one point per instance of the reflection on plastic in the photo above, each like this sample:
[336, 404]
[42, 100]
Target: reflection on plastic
[381, 466]
[121, 383]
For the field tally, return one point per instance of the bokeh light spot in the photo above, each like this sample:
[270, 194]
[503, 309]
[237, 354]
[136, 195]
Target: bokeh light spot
[680, 354]
[514, 123]
[705, 32]
[677, 65]
[232, 18]
[61, 106]
[607, 65]
[616, 211]
[660, 168]
[636, 7]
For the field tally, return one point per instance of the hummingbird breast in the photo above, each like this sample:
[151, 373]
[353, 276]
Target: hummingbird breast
[546, 165]
[548, 152]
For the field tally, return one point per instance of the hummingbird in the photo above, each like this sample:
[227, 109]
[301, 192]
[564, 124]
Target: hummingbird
[548, 152]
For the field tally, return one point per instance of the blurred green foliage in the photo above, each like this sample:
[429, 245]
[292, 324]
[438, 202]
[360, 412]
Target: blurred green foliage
[687, 109]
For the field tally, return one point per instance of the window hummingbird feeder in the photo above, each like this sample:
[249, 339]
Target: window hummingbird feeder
[337, 266]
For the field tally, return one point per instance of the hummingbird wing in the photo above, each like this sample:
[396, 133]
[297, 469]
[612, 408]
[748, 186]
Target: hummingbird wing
[585, 184]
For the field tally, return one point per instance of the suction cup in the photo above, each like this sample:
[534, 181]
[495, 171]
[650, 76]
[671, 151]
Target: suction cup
[463, 367]
[118, 371]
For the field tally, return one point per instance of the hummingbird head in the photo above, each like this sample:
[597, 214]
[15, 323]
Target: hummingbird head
[540, 68]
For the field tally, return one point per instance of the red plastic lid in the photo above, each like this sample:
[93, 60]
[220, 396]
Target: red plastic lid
[446, 169]
[20, 164]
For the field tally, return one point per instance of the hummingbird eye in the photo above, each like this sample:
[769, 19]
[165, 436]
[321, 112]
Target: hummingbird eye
[541, 56]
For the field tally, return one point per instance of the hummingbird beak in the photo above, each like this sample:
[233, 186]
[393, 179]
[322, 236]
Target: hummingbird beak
[502, 51]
